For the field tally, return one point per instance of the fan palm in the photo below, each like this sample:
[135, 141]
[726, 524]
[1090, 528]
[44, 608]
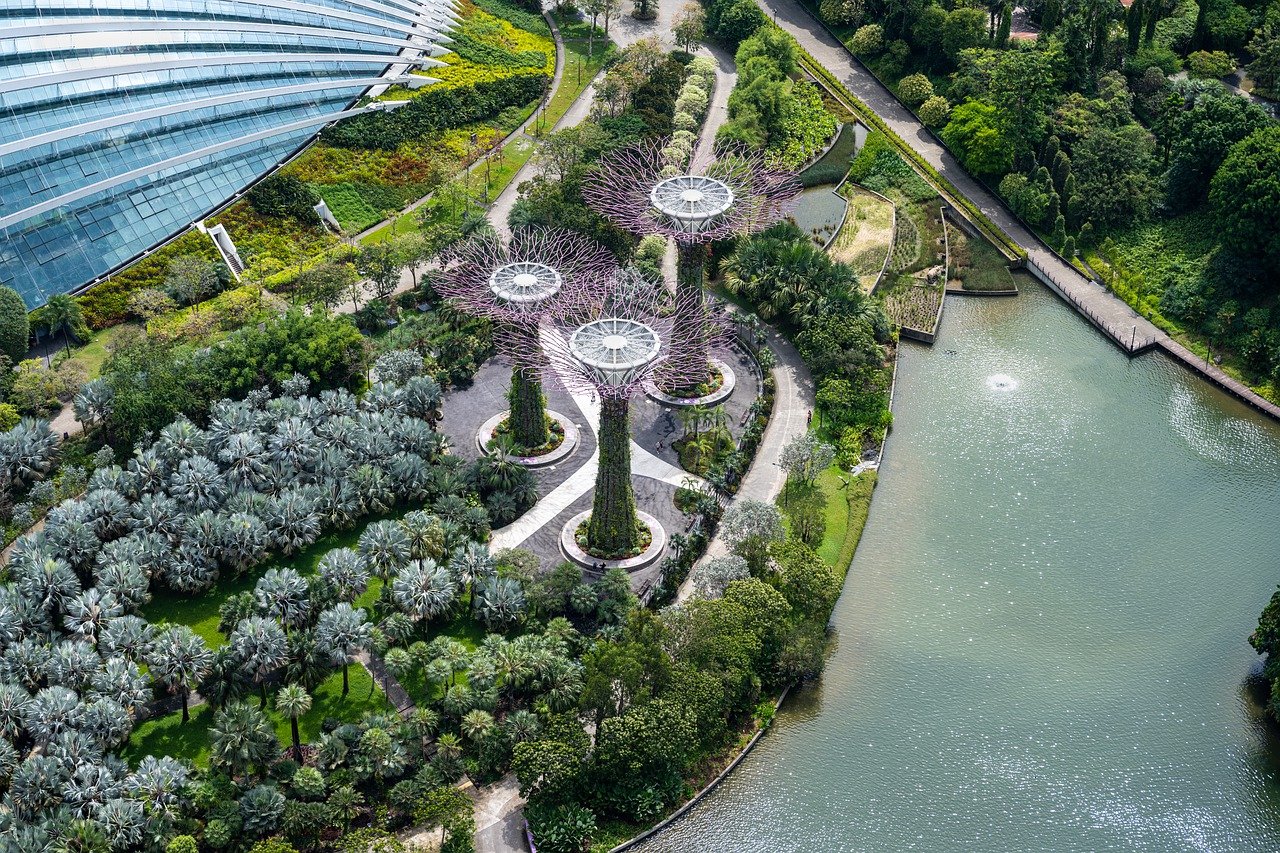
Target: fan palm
[345, 573]
[284, 595]
[294, 701]
[180, 659]
[262, 648]
[343, 630]
[424, 590]
[241, 739]
[384, 547]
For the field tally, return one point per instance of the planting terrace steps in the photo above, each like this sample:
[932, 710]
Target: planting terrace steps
[1108, 313]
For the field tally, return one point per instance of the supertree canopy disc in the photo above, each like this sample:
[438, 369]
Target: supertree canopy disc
[525, 283]
[692, 202]
[536, 272]
[615, 348]
[735, 194]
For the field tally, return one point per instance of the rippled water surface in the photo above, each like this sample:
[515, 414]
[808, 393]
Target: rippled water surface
[1041, 643]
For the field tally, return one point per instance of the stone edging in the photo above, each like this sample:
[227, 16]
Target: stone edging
[650, 555]
[678, 813]
[719, 395]
[485, 434]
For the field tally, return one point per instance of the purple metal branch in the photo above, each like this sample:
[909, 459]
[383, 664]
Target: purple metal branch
[631, 298]
[619, 190]
[584, 268]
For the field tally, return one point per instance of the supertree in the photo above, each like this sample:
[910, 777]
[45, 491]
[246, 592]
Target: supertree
[537, 272]
[610, 349]
[734, 194]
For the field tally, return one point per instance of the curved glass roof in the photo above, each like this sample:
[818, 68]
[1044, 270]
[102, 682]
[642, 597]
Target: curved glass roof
[121, 127]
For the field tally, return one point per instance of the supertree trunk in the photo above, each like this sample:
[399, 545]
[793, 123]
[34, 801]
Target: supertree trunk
[688, 336]
[613, 523]
[528, 418]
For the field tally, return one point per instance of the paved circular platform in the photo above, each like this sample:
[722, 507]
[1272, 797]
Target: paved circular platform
[650, 555]
[485, 434]
[717, 396]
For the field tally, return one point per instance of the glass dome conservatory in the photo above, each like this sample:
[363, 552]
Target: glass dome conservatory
[124, 122]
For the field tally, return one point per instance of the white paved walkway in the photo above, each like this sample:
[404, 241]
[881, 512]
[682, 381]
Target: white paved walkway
[583, 480]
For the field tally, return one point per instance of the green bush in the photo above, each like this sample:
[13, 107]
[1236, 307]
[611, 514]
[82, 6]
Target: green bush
[280, 196]
[15, 327]
[182, 844]
[935, 111]
[526, 20]
[437, 108]
[867, 41]
[915, 89]
[1212, 65]
[481, 53]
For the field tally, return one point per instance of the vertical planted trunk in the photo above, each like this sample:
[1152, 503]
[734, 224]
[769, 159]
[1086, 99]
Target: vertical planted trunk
[528, 419]
[612, 527]
[688, 336]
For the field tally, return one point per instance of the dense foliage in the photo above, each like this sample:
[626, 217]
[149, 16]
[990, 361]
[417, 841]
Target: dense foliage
[1092, 140]
[770, 111]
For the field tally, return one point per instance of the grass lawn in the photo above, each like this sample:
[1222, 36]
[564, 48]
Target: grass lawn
[168, 735]
[93, 352]
[846, 501]
[579, 71]
[327, 701]
[200, 612]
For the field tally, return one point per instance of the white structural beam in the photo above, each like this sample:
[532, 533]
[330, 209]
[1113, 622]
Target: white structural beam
[180, 160]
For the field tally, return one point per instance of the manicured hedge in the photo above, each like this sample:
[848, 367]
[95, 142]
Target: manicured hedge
[436, 109]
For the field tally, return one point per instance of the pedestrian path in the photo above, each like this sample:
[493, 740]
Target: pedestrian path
[792, 405]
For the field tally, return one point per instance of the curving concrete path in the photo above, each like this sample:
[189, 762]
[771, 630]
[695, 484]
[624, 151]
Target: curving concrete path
[792, 404]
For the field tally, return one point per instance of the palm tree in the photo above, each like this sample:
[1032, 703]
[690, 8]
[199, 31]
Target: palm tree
[158, 784]
[180, 660]
[242, 739]
[344, 804]
[426, 535]
[345, 573]
[294, 701]
[343, 630]
[384, 546]
[449, 746]
[62, 314]
[262, 647]
[424, 590]
[472, 566]
[283, 594]
[501, 603]
[477, 725]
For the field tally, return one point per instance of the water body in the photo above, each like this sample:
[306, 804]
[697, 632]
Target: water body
[1041, 642]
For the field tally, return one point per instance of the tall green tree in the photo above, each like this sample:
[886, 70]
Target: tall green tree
[15, 327]
[294, 702]
[61, 315]
[1246, 195]
[975, 133]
